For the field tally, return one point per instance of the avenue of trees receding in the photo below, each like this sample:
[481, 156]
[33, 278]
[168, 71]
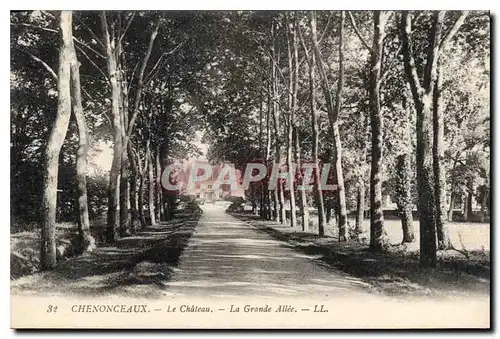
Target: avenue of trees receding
[397, 102]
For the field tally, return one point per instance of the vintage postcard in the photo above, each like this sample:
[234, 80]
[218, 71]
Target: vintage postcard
[286, 169]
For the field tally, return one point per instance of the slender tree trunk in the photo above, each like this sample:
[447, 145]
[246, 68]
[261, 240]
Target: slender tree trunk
[142, 187]
[291, 176]
[452, 187]
[315, 137]
[304, 208]
[360, 207]
[281, 197]
[262, 207]
[276, 214]
[443, 235]
[452, 204]
[253, 195]
[167, 195]
[160, 212]
[48, 256]
[267, 194]
[361, 196]
[378, 234]
[464, 207]
[114, 174]
[404, 198]
[486, 198]
[261, 152]
[86, 241]
[134, 202]
[470, 195]
[291, 45]
[124, 192]
[342, 206]
[124, 197]
[151, 188]
[296, 149]
[278, 194]
[328, 209]
[404, 174]
[333, 115]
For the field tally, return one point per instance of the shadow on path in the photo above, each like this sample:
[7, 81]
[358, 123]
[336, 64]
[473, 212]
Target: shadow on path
[145, 258]
[396, 272]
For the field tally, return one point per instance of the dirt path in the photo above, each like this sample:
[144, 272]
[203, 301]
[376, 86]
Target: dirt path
[226, 257]
[217, 256]
[219, 260]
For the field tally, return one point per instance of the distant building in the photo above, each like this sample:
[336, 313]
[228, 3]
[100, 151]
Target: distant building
[204, 190]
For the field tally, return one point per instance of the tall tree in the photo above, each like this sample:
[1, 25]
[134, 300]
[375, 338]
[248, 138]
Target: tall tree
[311, 62]
[333, 108]
[304, 208]
[87, 242]
[278, 191]
[57, 135]
[292, 98]
[117, 126]
[443, 235]
[423, 96]
[378, 234]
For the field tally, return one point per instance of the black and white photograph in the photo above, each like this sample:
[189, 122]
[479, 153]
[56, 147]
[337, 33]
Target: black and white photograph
[253, 169]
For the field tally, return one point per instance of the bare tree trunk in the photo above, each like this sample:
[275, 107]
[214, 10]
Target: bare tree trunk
[315, 136]
[134, 202]
[124, 192]
[404, 174]
[87, 243]
[328, 209]
[278, 194]
[422, 96]
[342, 207]
[427, 201]
[253, 195]
[304, 208]
[404, 198]
[443, 235]
[261, 152]
[124, 197]
[361, 186]
[267, 194]
[333, 115]
[470, 195]
[151, 188]
[160, 212]
[486, 198]
[360, 207]
[291, 175]
[452, 204]
[48, 257]
[423, 93]
[281, 197]
[292, 98]
[452, 187]
[465, 204]
[263, 207]
[378, 234]
[114, 174]
[142, 185]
